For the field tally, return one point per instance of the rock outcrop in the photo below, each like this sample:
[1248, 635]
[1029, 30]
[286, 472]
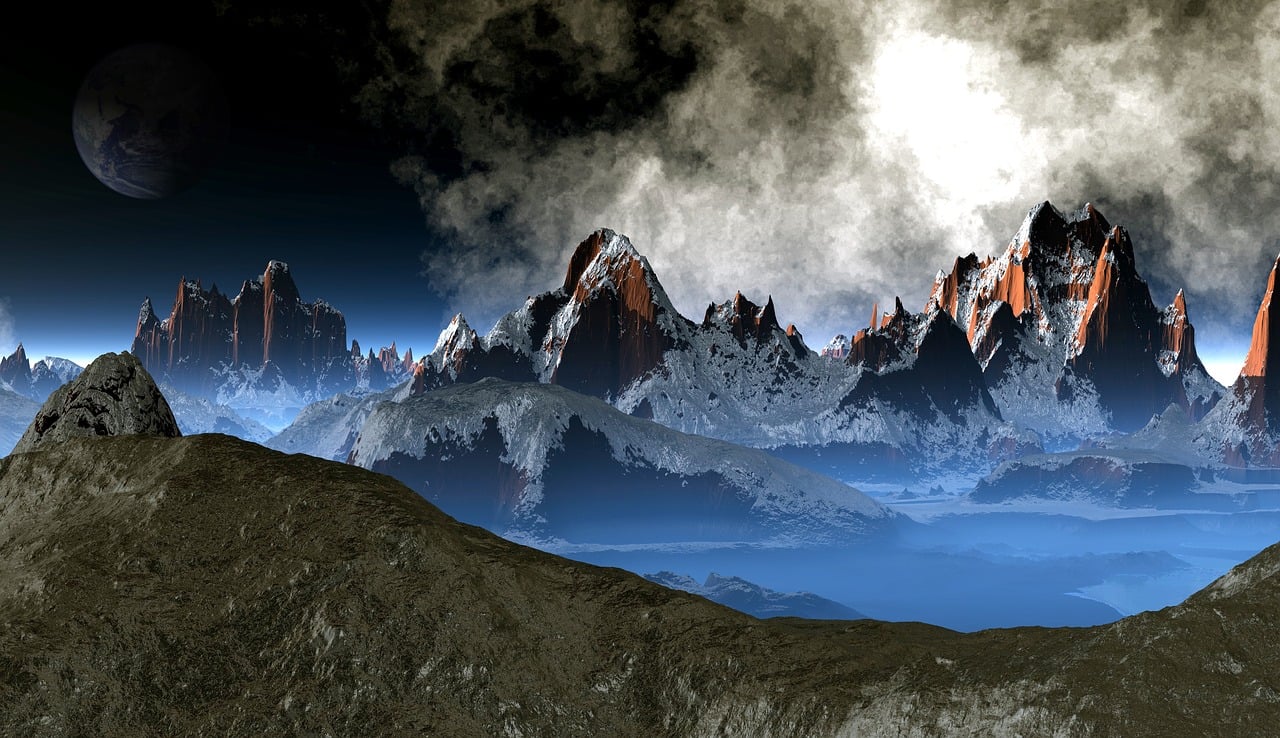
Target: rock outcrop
[114, 396]
[15, 369]
[1063, 308]
[1245, 430]
[216, 347]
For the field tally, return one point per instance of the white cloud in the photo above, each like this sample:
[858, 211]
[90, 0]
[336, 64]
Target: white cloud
[832, 153]
[8, 330]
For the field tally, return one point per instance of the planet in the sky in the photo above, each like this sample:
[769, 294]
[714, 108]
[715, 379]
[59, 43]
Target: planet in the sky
[149, 120]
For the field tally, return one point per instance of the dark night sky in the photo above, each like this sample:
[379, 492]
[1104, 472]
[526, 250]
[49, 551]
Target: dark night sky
[299, 179]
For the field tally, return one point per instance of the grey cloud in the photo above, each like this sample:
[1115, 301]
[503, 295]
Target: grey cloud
[832, 153]
[8, 334]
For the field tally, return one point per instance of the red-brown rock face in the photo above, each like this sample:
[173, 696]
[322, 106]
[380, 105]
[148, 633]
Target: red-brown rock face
[266, 322]
[614, 336]
[879, 346]
[1178, 336]
[1070, 284]
[1264, 347]
[1257, 389]
[745, 319]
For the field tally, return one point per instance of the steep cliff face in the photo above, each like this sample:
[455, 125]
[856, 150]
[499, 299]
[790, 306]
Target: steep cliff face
[1245, 430]
[608, 326]
[610, 333]
[265, 328]
[1064, 307]
[15, 369]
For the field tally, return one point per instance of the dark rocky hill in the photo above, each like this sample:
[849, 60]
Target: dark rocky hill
[204, 585]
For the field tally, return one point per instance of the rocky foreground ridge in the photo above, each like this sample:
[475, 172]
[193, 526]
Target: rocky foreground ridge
[203, 585]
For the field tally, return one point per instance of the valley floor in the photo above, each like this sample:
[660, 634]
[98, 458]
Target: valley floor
[970, 567]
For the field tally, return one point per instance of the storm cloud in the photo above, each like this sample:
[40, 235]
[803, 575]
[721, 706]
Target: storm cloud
[832, 153]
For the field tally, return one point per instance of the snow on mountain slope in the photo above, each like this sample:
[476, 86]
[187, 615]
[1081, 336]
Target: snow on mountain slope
[16, 412]
[1062, 323]
[540, 462]
[755, 600]
[198, 415]
[327, 429]
[610, 331]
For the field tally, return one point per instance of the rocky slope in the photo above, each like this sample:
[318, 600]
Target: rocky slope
[204, 585]
[328, 429]
[1069, 339]
[113, 396]
[538, 462]
[611, 331]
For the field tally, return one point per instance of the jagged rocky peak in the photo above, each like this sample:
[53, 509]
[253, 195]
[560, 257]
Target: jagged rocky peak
[1245, 429]
[114, 396]
[1264, 347]
[451, 351]
[616, 325]
[743, 318]
[1178, 338]
[389, 358]
[837, 347]
[146, 316]
[600, 256]
[890, 338]
[1072, 286]
[457, 336]
[278, 283]
[206, 332]
[1050, 259]
[15, 369]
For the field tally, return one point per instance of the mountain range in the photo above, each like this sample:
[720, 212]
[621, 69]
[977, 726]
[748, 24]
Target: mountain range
[1053, 343]
[38, 381]
[265, 353]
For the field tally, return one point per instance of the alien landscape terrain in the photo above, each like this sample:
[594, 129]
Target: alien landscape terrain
[1040, 445]
[615, 368]
[1062, 459]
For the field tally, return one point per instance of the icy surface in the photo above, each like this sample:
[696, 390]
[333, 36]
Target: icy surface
[198, 415]
[533, 418]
